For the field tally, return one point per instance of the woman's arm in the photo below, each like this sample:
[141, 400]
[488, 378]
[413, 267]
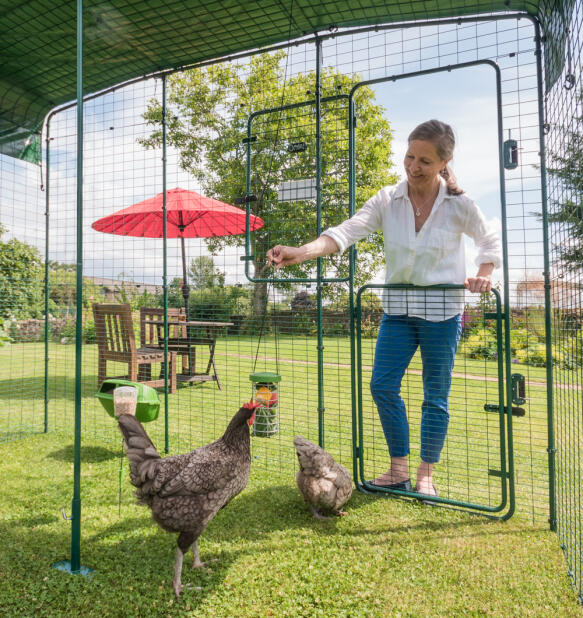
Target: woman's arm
[282, 255]
[481, 283]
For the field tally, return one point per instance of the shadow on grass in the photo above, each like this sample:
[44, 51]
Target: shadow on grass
[60, 387]
[89, 454]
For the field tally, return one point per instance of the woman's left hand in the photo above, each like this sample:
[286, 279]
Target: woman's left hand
[479, 284]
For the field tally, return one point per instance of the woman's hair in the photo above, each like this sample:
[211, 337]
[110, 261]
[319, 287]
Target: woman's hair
[442, 137]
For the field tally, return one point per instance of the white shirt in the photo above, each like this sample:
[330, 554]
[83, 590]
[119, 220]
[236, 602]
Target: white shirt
[433, 256]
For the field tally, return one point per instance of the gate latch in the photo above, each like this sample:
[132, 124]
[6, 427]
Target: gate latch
[518, 389]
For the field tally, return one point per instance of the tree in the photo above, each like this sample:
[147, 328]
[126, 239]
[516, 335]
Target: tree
[203, 274]
[21, 287]
[567, 170]
[63, 287]
[208, 112]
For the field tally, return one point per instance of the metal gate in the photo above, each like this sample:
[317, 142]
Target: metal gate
[476, 464]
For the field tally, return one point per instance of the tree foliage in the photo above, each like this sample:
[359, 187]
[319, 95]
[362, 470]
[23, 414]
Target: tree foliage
[567, 211]
[203, 273]
[207, 117]
[21, 287]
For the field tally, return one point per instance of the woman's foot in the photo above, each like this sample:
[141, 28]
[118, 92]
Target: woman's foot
[425, 479]
[397, 474]
[389, 478]
[426, 486]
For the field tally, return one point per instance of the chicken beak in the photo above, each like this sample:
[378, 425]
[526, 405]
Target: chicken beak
[251, 419]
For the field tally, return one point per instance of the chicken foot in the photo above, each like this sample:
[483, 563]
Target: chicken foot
[318, 515]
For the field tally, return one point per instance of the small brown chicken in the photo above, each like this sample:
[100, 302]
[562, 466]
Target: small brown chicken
[324, 484]
[186, 491]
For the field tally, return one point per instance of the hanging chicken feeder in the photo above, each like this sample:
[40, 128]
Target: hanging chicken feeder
[148, 406]
[265, 393]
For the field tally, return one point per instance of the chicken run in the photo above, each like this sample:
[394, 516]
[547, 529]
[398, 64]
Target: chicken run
[284, 111]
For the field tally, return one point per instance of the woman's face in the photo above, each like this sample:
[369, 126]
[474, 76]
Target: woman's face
[422, 164]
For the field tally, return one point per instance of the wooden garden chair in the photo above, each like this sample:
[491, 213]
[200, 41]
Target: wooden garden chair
[116, 342]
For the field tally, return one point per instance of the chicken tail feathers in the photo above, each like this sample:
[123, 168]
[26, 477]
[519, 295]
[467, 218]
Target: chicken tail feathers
[140, 450]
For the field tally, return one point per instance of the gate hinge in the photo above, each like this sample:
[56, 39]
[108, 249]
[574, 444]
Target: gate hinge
[492, 315]
[249, 140]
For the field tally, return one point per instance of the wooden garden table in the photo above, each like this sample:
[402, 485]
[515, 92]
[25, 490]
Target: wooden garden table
[186, 335]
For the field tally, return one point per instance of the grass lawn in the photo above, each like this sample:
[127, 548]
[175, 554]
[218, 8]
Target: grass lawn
[388, 557]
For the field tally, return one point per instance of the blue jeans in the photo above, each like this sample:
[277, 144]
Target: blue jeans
[398, 339]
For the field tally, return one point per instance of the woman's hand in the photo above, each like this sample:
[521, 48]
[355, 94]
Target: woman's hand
[282, 255]
[481, 283]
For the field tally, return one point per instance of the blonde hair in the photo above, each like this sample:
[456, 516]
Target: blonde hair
[441, 136]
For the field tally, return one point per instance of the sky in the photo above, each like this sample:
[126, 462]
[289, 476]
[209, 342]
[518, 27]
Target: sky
[127, 173]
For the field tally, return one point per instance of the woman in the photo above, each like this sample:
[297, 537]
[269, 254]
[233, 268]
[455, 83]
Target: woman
[422, 219]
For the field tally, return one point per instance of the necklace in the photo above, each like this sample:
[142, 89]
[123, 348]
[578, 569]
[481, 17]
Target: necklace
[417, 207]
[420, 208]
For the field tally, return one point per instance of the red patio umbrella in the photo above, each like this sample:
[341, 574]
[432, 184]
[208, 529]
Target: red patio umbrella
[188, 215]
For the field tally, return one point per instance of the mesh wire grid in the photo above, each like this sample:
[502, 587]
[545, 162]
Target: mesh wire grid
[564, 115]
[123, 165]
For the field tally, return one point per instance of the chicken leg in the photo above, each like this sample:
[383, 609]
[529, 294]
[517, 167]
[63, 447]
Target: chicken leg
[185, 540]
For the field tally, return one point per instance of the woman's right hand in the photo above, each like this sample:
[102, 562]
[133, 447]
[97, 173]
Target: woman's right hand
[282, 255]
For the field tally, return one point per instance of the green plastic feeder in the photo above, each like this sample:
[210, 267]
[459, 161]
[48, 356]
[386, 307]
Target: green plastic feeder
[265, 392]
[148, 406]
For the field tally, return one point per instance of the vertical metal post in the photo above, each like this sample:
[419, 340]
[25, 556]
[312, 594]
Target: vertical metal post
[165, 267]
[76, 506]
[551, 450]
[506, 305]
[351, 264]
[318, 232]
[47, 285]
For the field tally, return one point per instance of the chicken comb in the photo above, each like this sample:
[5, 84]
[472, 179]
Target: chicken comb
[251, 405]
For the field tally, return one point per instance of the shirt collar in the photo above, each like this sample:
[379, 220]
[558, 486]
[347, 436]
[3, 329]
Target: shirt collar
[402, 188]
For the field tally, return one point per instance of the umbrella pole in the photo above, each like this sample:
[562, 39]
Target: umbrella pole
[186, 294]
[185, 287]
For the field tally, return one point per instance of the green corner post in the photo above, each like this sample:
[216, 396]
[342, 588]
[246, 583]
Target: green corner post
[74, 565]
[165, 266]
[318, 232]
[551, 448]
[47, 287]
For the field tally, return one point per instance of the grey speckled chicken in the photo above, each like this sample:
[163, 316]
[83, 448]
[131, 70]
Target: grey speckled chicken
[325, 485]
[186, 491]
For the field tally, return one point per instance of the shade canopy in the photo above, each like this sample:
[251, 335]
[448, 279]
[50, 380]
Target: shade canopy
[188, 215]
[126, 39]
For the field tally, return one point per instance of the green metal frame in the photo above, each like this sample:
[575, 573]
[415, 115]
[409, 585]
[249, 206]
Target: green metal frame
[506, 312]
[319, 280]
[249, 253]
[506, 460]
[76, 513]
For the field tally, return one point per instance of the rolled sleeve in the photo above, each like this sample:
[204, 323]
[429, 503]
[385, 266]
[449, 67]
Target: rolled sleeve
[366, 221]
[487, 238]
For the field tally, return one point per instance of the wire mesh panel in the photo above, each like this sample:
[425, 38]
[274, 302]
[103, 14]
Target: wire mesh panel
[272, 325]
[408, 408]
[288, 164]
[22, 302]
[564, 142]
